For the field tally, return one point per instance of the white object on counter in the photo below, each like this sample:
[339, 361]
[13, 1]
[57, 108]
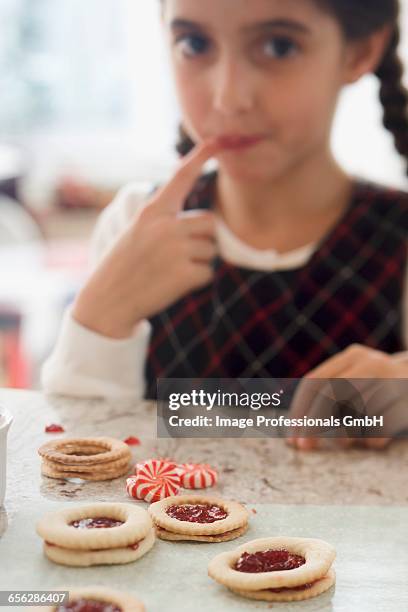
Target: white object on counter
[5, 422]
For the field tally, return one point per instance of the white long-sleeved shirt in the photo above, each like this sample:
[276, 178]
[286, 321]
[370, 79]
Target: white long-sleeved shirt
[86, 364]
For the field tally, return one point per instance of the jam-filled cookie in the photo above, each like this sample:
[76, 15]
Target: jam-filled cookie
[96, 599]
[96, 534]
[199, 518]
[276, 569]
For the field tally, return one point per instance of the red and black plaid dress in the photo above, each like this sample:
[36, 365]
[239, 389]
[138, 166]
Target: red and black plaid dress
[281, 324]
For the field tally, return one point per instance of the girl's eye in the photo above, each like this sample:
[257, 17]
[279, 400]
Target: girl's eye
[280, 47]
[192, 44]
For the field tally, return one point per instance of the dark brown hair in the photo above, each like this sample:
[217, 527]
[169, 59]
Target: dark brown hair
[358, 19]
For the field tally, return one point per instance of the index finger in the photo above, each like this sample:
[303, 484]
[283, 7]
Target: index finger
[170, 197]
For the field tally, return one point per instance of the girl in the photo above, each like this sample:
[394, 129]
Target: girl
[277, 265]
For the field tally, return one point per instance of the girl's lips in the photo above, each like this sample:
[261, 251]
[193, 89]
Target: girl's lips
[238, 142]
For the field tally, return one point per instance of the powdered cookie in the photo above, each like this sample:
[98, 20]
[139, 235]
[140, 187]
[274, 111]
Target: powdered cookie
[276, 563]
[106, 532]
[97, 599]
[102, 458]
[306, 591]
[197, 515]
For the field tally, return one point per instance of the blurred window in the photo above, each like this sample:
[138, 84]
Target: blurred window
[85, 86]
[62, 62]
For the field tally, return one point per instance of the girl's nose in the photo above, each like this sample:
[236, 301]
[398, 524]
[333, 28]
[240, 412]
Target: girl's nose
[233, 90]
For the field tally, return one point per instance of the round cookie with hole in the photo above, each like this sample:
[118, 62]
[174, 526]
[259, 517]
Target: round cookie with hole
[96, 599]
[199, 518]
[98, 458]
[96, 534]
[276, 569]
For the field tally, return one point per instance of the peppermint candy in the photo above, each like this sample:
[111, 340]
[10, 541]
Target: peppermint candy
[154, 480]
[197, 476]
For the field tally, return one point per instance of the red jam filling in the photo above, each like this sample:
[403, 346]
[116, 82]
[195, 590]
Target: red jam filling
[101, 522]
[132, 441]
[301, 587]
[88, 605]
[268, 561]
[54, 428]
[196, 513]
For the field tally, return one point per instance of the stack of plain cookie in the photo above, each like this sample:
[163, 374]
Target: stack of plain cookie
[99, 458]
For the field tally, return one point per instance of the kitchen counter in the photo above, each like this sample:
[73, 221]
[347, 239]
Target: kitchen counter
[251, 470]
[345, 496]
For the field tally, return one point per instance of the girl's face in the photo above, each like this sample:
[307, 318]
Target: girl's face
[265, 74]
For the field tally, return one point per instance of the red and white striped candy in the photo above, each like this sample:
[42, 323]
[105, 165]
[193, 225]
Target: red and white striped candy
[140, 464]
[197, 476]
[155, 479]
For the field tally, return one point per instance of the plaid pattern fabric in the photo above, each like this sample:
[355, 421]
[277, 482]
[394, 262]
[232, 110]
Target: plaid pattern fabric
[282, 324]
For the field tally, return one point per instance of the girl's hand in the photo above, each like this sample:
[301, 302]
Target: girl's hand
[163, 255]
[356, 362]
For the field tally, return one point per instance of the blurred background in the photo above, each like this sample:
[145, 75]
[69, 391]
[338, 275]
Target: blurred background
[86, 106]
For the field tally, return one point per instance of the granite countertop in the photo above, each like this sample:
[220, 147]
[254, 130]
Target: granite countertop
[347, 497]
[251, 470]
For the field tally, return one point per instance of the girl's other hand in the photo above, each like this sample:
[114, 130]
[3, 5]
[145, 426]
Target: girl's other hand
[163, 255]
[355, 362]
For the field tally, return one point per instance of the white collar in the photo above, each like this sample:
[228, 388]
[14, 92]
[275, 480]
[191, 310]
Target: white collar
[237, 252]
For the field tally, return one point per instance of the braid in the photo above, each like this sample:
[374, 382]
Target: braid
[394, 96]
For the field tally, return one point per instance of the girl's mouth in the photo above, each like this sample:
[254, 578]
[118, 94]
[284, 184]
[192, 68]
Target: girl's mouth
[235, 142]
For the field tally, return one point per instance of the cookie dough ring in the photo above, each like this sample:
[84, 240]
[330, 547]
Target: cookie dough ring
[125, 601]
[319, 556]
[177, 537]
[49, 470]
[84, 451]
[87, 558]
[237, 515]
[319, 587]
[55, 527]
